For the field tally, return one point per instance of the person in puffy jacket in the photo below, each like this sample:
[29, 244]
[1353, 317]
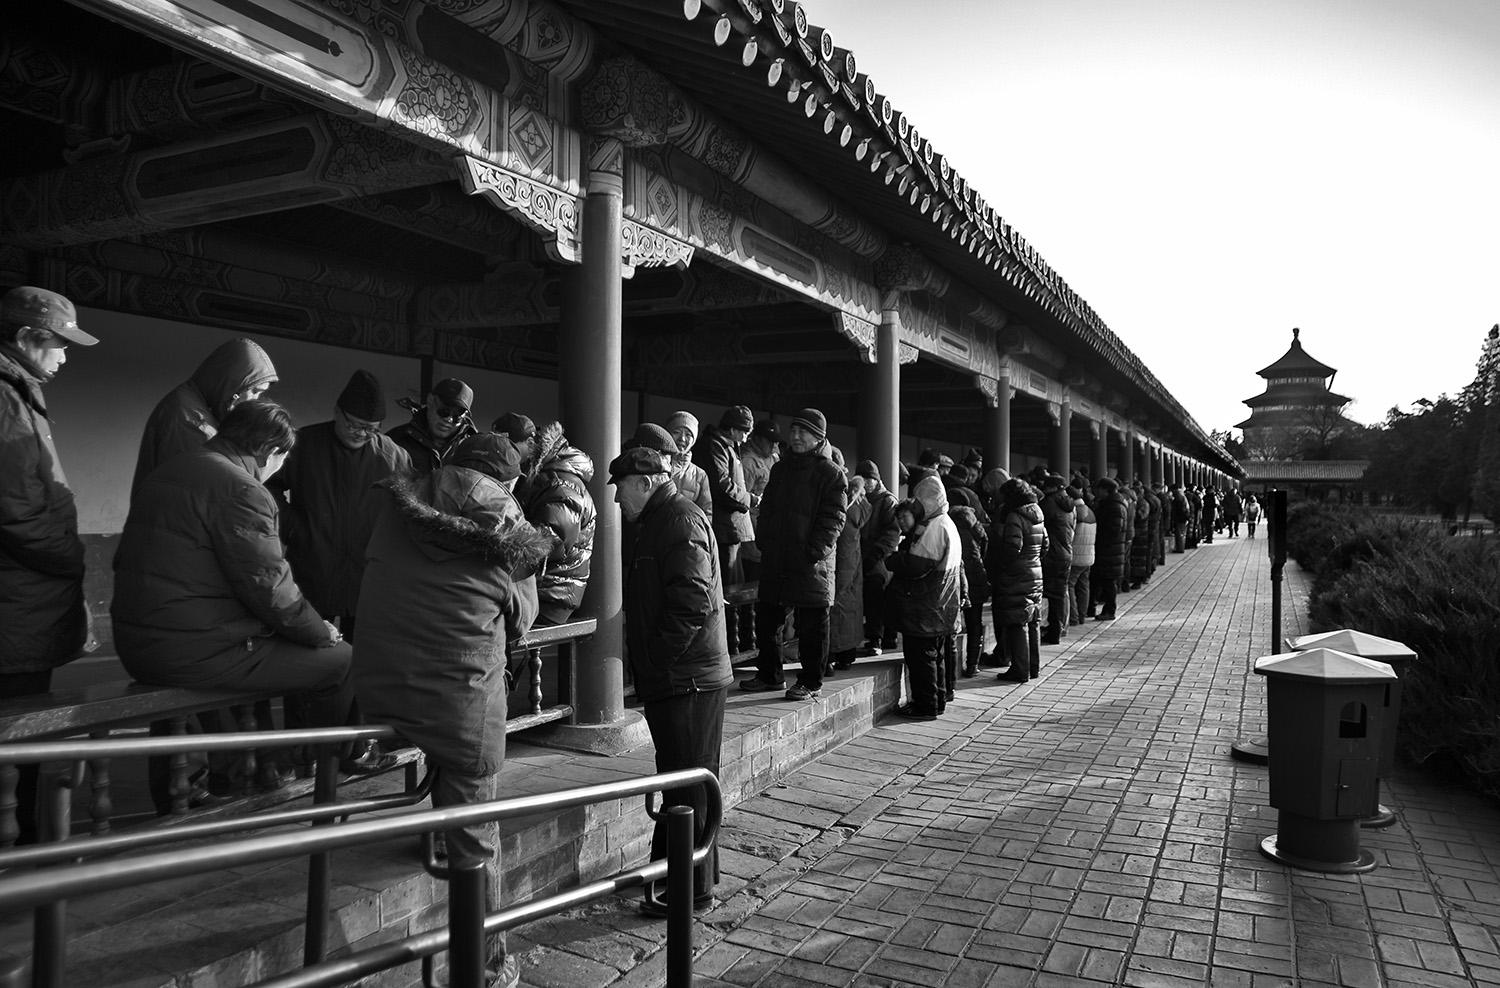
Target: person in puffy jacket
[674, 630]
[718, 454]
[925, 597]
[1252, 513]
[1085, 531]
[437, 426]
[974, 538]
[448, 583]
[1017, 545]
[846, 621]
[878, 538]
[1179, 516]
[801, 515]
[1140, 541]
[1113, 516]
[690, 478]
[1057, 515]
[555, 496]
[189, 414]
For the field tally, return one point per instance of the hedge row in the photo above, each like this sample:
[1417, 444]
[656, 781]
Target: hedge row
[1440, 595]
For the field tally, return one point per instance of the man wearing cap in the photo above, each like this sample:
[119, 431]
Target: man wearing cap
[189, 414]
[521, 431]
[328, 487]
[448, 582]
[801, 515]
[717, 453]
[674, 635]
[437, 426]
[43, 621]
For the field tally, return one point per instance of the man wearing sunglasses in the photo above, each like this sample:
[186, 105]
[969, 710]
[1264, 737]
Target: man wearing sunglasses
[438, 426]
[43, 623]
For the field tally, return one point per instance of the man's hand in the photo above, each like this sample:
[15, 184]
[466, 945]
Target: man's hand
[334, 635]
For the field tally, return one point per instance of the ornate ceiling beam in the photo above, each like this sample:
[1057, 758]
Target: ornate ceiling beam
[277, 166]
[441, 213]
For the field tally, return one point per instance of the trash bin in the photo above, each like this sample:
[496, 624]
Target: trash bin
[1393, 654]
[1325, 715]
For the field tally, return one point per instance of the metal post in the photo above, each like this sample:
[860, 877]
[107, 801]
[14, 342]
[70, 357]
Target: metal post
[319, 866]
[1276, 546]
[49, 934]
[466, 913]
[679, 896]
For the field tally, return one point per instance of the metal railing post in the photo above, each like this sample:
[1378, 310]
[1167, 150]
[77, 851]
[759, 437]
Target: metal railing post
[319, 865]
[466, 913]
[679, 896]
[49, 950]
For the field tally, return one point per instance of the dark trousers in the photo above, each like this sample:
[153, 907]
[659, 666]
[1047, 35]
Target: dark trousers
[812, 642]
[477, 843]
[1104, 594]
[922, 654]
[948, 674]
[1022, 645]
[18, 684]
[688, 732]
[973, 632]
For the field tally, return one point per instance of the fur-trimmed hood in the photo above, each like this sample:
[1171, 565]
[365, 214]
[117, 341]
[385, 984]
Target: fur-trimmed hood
[459, 511]
[554, 455]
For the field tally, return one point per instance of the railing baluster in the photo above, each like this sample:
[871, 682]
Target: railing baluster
[244, 716]
[534, 661]
[10, 828]
[49, 934]
[567, 677]
[179, 788]
[101, 801]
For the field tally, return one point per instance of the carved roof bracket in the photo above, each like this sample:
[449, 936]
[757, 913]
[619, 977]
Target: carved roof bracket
[990, 388]
[860, 332]
[643, 247]
[550, 212]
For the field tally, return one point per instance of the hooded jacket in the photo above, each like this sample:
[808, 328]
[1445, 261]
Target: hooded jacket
[189, 414]
[801, 514]
[426, 452]
[42, 619]
[1057, 515]
[556, 497]
[331, 505]
[674, 595]
[1113, 514]
[1085, 531]
[200, 572]
[1016, 548]
[448, 582]
[927, 572]
[715, 453]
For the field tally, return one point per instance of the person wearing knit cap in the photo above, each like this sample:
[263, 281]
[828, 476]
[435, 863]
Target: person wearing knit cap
[674, 638]
[757, 456]
[692, 482]
[438, 425]
[717, 454]
[521, 431]
[801, 514]
[330, 501]
[878, 538]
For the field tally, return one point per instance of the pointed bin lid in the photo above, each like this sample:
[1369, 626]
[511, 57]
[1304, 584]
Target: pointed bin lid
[1355, 643]
[1324, 665]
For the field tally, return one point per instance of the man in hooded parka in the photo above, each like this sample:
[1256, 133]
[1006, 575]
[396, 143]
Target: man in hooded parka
[189, 414]
[555, 495]
[448, 581]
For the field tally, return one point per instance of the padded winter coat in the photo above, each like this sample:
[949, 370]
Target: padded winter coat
[879, 535]
[189, 414]
[846, 622]
[448, 581]
[557, 497]
[927, 572]
[42, 620]
[200, 572]
[1140, 542]
[674, 595]
[801, 515]
[332, 502]
[1112, 513]
[975, 541]
[427, 454]
[1015, 564]
[1085, 532]
[1057, 515]
[716, 454]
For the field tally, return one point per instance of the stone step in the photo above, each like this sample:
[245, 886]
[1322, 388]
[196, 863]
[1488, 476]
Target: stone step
[246, 924]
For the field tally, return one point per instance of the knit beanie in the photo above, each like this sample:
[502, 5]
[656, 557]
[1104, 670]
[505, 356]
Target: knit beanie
[649, 435]
[813, 421]
[867, 468]
[737, 417]
[679, 419]
[363, 398]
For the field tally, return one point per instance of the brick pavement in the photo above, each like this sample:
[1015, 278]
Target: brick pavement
[1087, 829]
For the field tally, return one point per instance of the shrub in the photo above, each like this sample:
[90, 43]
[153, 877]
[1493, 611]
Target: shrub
[1313, 530]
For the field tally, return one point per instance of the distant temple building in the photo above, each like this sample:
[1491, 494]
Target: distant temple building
[1290, 421]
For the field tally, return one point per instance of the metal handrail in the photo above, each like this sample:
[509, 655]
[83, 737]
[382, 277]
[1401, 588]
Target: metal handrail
[53, 885]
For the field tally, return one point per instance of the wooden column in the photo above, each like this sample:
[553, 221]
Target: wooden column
[1127, 459]
[883, 402]
[1062, 439]
[1099, 450]
[997, 451]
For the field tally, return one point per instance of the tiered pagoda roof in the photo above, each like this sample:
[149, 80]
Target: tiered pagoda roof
[1296, 383]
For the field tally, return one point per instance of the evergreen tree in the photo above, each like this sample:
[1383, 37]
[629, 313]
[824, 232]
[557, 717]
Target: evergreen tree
[1486, 387]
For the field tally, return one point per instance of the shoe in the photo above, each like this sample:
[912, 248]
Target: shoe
[842, 664]
[970, 668]
[1012, 676]
[1052, 638]
[505, 974]
[948, 697]
[367, 759]
[828, 668]
[269, 776]
[1106, 617]
[913, 712]
[655, 906]
[867, 652]
[803, 692]
[757, 685]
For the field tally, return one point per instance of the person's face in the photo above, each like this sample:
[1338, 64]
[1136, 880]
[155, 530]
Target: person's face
[527, 448]
[800, 440]
[353, 432]
[905, 521]
[47, 350]
[249, 394]
[269, 464]
[631, 494]
[738, 435]
[682, 435]
[443, 419]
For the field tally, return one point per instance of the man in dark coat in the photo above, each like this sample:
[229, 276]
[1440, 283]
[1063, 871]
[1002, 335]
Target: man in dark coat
[800, 518]
[43, 621]
[1140, 551]
[717, 453]
[674, 633]
[448, 583]
[437, 426]
[878, 538]
[1017, 546]
[1210, 512]
[1059, 517]
[1113, 516]
[189, 414]
[556, 496]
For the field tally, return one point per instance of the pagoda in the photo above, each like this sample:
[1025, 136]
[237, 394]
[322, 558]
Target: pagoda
[1298, 399]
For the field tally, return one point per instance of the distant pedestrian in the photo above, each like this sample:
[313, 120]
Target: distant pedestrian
[691, 481]
[1113, 516]
[878, 538]
[1252, 513]
[1085, 532]
[1058, 515]
[1210, 513]
[1232, 507]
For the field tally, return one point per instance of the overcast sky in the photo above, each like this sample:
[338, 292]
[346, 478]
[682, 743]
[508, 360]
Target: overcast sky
[1210, 173]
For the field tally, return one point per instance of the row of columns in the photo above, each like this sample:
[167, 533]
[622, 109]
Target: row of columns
[589, 386]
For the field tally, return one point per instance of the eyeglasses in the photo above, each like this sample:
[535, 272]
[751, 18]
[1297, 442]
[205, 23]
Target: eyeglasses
[452, 413]
[356, 427]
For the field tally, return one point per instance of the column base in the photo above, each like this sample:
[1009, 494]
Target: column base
[1384, 816]
[627, 733]
[1252, 750]
[1327, 846]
